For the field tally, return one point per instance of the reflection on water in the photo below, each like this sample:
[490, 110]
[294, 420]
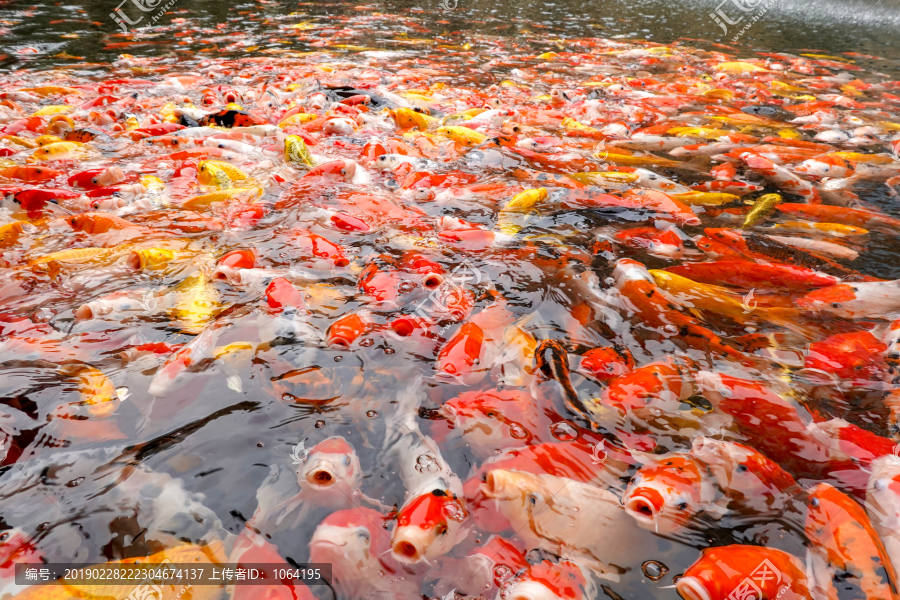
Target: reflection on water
[198, 454]
[828, 26]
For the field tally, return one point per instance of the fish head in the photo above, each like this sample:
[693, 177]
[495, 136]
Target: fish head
[339, 126]
[548, 581]
[665, 495]
[725, 236]
[349, 539]
[627, 270]
[740, 471]
[491, 417]
[336, 170]
[814, 167]
[173, 373]
[427, 526]
[646, 390]
[232, 262]
[490, 565]
[431, 271]
[519, 494]
[828, 509]
[281, 294]
[332, 463]
[855, 355]
[883, 489]
[459, 360]
[388, 162]
[831, 298]
[343, 332]
[149, 258]
[14, 544]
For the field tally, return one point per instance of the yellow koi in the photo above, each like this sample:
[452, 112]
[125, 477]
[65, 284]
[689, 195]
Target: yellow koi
[762, 208]
[197, 303]
[528, 198]
[833, 229]
[296, 152]
[462, 135]
[705, 198]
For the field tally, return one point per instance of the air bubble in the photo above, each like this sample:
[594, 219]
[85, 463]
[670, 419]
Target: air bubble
[654, 570]
[563, 431]
[427, 464]
[518, 432]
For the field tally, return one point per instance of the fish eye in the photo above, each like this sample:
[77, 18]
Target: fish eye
[741, 468]
[343, 171]
[347, 460]
[491, 414]
[835, 305]
[442, 530]
[364, 535]
[532, 499]
[682, 506]
[814, 503]
[94, 180]
[4, 537]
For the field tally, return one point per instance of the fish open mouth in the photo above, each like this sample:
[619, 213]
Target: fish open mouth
[321, 477]
[433, 280]
[410, 544]
[644, 505]
[690, 588]
[529, 590]
[84, 313]
[497, 485]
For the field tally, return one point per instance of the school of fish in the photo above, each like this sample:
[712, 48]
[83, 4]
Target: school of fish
[610, 320]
